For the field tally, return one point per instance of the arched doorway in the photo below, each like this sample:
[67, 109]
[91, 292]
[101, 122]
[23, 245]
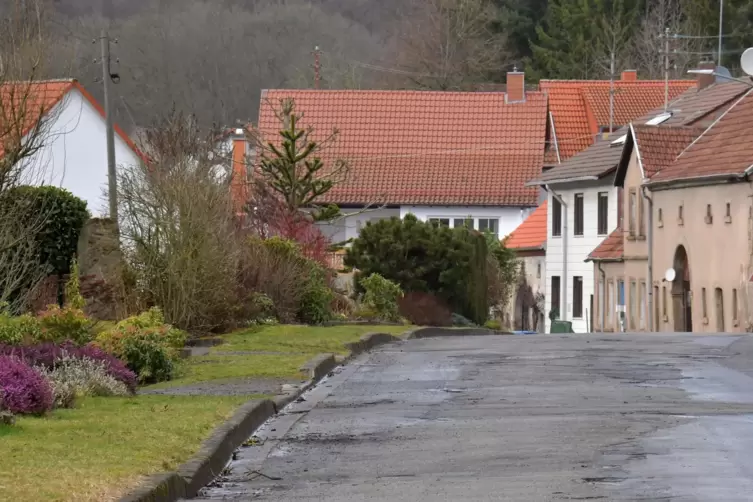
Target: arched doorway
[681, 296]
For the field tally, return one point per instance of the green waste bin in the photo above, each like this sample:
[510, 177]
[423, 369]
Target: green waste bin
[561, 327]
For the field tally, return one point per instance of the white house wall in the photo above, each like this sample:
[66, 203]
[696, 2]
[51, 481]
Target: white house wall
[579, 247]
[75, 154]
[509, 217]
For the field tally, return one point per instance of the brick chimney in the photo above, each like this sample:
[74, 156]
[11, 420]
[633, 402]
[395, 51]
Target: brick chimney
[703, 79]
[239, 181]
[516, 86]
[629, 76]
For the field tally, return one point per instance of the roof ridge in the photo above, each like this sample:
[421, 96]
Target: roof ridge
[716, 121]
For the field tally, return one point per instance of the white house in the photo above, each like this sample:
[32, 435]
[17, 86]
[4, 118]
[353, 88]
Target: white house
[73, 152]
[458, 158]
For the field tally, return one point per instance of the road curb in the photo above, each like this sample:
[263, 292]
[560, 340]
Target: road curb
[444, 332]
[215, 452]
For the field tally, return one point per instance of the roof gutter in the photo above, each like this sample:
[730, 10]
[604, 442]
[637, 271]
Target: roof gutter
[656, 186]
[546, 183]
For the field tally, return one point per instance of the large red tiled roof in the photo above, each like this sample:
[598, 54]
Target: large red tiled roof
[660, 146]
[723, 148]
[23, 104]
[423, 147]
[580, 107]
[611, 248]
[531, 234]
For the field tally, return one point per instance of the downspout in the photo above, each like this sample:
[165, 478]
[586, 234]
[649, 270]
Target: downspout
[650, 280]
[563, 296]
[602, 299]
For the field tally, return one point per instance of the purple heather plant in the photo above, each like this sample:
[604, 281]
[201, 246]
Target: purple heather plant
[47, 356]
[24, 389]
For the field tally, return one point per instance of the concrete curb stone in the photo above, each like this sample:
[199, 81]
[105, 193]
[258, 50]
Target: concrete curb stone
[440, 332]
[208, 463]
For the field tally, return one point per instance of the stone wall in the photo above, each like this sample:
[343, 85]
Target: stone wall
[100, 262]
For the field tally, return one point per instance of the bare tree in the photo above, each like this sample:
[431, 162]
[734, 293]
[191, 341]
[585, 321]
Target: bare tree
[449, 44]
[25, 130]
[178, 225]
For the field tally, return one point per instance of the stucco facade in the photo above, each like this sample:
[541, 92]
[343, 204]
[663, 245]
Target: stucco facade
[712, 226]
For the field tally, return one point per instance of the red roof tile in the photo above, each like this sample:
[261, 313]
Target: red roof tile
[531, 234]
[660, 146]
[611, 248]
[725, 148]
[32, 100]
[424, 147]
[579, 107]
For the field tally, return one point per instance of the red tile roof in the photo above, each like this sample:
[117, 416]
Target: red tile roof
[724, 148]
[423, 147]
[610, 249]
[531, 234]
[660, 146]
[33, 100]
[580, 107]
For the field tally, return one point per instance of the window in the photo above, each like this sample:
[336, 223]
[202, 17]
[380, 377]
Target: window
[632, 213]
[703, 303]
[555, 295]
[621, 292]
[728, 214]
[641, 216]
[642, 305]
[577, 297]
[719, 297]
[556, 217]
[709, 217]
[492, 225]
[664, 301]
[538, 271]
[610, 302]
[445, 222]
[734, 305]
[632, 305]
[602, 225]
[578, 214]
[463, 222]
[656, 309]
[679, 215]
[660, 219]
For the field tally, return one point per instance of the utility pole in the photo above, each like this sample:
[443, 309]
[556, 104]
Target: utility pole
[721, 26]
[110, 132]
[317, 67]
[666, 69]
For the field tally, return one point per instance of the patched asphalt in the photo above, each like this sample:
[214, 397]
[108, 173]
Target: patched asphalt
[515, 418]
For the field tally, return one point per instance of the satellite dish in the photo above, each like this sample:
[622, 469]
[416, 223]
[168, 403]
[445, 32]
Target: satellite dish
[669, 275]
[746, 61]
[722, 75]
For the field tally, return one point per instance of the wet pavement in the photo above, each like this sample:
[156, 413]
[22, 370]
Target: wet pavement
[515, 418]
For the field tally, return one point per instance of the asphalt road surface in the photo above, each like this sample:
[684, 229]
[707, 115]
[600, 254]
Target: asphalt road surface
[516, 418]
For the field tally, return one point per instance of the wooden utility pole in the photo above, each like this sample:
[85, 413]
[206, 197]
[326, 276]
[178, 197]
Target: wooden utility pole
[110, 132]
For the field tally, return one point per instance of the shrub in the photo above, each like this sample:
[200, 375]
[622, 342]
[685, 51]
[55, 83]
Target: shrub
[421, 256]
[66, 323]
[425, 309]
[153, 319]
[47, 355]
[316, 302]
[15, 330]
[148, 357]
[78, 377]
[6, 417]
[24, 389]
[382, 296]
[73, 297]
[493, 324]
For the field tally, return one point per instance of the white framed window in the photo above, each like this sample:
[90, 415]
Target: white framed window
[490, 224]
[610, 302]
[642, 300]
[445, 222]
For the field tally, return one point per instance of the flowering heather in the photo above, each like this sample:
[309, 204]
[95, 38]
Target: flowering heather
[47, 356]
[24, 390]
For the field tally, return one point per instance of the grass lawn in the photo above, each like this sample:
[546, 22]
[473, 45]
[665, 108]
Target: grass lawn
[103, 447]
[100, 449]
[291, 346]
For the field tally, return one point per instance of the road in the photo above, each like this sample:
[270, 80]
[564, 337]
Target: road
[516, 418]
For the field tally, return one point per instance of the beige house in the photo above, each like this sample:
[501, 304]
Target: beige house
[687, 196]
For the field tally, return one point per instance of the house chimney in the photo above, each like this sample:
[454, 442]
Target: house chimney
[516, 86]
[629, 76]
[239, 181]
[703, 79]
